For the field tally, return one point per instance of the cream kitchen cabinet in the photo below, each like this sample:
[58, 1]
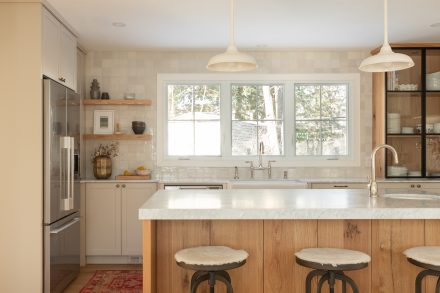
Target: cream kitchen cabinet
[410, 185]
[340, 185]
[112, 225]
[59, 51]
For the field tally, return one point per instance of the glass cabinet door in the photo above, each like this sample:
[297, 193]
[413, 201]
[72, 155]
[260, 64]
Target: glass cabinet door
[408, 79]
[432, 112]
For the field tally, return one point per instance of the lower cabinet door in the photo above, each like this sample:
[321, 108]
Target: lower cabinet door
[134, 196]
[103, 219]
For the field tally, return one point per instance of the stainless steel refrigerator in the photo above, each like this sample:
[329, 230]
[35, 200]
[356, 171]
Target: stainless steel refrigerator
[61, 223]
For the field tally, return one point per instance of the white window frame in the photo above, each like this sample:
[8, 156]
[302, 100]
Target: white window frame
[288, 159]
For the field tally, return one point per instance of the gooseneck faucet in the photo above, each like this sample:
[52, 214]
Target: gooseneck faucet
[373, 185]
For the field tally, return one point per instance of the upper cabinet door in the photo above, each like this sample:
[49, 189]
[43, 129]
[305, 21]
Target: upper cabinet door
[51, 45]
[68, 58]
[59, 52]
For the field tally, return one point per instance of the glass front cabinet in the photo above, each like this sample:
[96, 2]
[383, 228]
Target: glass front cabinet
[412, 115]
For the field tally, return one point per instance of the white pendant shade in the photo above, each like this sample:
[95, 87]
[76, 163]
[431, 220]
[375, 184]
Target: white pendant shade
[386, 60]
[232, 60]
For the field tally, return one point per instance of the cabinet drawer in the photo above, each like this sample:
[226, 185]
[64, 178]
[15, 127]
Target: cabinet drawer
[409, 185]
[342, 185]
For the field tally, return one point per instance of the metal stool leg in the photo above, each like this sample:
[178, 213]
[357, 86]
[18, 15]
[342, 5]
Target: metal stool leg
[321, 282]
[419, 280]
[310, 277]
[226, 281]
[201, 277]
[345, 279]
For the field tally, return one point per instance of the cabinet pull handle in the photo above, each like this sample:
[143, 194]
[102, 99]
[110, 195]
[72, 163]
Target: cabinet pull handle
[62, 79]
[123, 185]
[117, 185]
[412, 185]
[340, 186]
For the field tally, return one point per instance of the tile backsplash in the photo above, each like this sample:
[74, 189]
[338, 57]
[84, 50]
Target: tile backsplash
[121, 72]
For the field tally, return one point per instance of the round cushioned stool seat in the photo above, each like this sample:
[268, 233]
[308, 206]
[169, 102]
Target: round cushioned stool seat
[424, 254]
[210, 256]
[333, 258]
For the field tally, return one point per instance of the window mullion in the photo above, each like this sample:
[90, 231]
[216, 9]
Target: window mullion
[289, 120]
[226, 119]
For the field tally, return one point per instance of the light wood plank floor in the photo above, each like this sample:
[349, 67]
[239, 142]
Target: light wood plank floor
[88, 271]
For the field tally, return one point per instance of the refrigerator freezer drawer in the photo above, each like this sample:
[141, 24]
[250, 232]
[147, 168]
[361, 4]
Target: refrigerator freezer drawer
[61, 253]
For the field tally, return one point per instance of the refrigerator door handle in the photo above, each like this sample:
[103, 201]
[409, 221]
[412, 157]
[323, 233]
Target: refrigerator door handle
[72, 173]
[65, 173]
[62, 228]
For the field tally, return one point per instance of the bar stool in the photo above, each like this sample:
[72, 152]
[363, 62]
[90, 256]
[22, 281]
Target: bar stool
[211, 264]
[330, 264]
[427, 257]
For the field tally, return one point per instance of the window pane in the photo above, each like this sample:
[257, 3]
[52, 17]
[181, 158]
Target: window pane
[308, 142]
[180, 102]
[334, 138]
[244, 138]
[207, 138]
[257, 102]
[271, 134]
[207, 102]
[334, 101]
[180, 138]
[307, 102]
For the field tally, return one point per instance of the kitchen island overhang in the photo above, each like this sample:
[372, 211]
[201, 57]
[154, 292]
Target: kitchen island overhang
[272, 224]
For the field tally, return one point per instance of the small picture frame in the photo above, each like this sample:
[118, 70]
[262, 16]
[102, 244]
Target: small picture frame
[104, 122]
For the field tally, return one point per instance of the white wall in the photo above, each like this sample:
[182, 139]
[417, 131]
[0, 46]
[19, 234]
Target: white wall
[21, 148]
[136, 71]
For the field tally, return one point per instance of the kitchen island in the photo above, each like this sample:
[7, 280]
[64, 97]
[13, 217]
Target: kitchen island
[272, 224]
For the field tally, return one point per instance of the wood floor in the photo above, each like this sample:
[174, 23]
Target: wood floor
[88, 271]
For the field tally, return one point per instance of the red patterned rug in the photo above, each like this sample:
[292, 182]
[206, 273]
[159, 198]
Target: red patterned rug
[114, 282]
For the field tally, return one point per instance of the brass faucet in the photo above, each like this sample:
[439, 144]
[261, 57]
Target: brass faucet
[372, 186]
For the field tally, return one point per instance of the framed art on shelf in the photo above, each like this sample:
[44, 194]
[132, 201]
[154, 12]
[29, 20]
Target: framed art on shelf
[104, 122]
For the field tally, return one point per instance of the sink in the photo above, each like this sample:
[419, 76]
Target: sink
[412, 196]
[266, 184]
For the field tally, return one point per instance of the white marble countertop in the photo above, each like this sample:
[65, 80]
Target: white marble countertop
[283, 204]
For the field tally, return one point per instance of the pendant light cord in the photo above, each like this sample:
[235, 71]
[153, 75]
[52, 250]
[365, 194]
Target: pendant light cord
[231, 25]
[385, 25]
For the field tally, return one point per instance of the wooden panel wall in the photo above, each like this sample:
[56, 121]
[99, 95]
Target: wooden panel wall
[247, 235]
[391, 270]
[432, 238]
[348, 234]
[173, 236]
[271, 244]
[281, 240]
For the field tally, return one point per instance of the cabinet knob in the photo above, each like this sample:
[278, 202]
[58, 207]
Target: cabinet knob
[123, 185]
[418, 185]
[117, 185]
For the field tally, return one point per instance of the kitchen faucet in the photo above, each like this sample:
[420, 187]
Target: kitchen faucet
[372, 186]
[260, 163]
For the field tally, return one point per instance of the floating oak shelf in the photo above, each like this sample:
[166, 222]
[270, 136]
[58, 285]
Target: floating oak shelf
[117, 136]
[90, 102]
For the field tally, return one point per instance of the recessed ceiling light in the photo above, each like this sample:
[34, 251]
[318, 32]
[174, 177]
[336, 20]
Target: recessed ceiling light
[435, 24]
[119, 24]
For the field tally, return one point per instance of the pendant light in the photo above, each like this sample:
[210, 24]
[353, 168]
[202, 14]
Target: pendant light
[232, 60]
[386, 60]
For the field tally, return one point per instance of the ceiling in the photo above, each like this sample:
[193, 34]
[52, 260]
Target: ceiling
[272, 24]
